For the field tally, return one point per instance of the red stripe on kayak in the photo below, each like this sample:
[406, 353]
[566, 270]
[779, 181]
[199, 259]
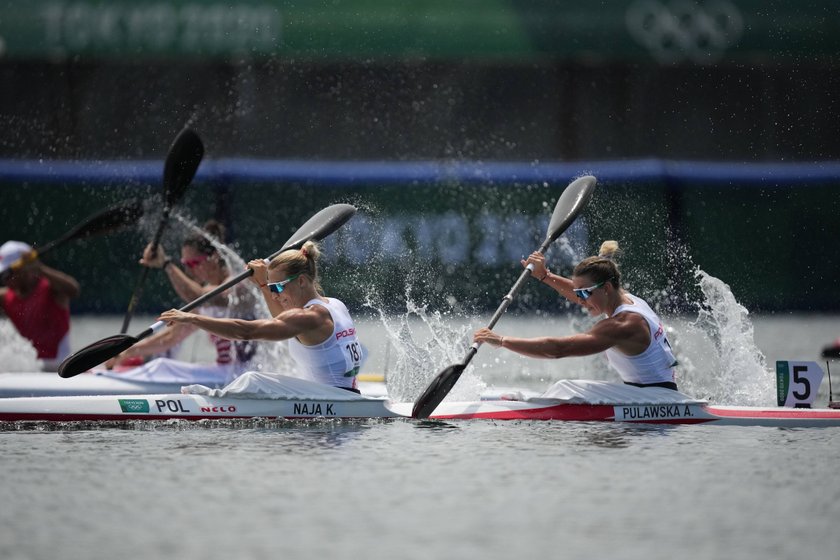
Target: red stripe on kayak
[570, 412]
[66, 417]
[780, 413]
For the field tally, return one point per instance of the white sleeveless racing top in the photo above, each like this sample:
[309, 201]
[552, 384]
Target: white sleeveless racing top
[337, 360]
[656, 363]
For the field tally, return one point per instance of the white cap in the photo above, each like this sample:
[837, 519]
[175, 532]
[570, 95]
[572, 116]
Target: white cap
[11, 252]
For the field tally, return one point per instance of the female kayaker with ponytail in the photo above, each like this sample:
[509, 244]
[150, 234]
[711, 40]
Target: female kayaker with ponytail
[321, 334]
[632, 335]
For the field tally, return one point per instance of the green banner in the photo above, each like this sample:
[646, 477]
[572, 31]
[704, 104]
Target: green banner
[663, 31]
[782, 382]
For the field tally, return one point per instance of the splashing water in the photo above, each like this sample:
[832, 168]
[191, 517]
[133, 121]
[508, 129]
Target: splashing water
[421, 350]
[16, 353]
[718, 357]
[733, 370]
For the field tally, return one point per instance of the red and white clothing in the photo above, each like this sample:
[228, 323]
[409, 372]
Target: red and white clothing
[228, 351]
[39, 318]
[337, 360]
[656, 363]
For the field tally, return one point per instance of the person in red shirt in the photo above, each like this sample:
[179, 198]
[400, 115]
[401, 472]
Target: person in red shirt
[36, 299]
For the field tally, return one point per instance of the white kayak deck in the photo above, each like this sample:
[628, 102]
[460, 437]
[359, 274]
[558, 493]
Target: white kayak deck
[44, 384]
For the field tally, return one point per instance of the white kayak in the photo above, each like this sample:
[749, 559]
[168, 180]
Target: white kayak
[43, 384]
[292, 398]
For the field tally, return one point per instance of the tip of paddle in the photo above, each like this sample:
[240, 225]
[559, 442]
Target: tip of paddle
[436, 392]
[94, 354]
[69, 370]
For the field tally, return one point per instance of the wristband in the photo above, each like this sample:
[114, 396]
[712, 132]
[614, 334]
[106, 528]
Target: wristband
[166, 262]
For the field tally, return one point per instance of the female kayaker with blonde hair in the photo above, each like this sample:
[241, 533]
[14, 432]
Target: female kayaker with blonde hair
[632, 336]
[321, 334]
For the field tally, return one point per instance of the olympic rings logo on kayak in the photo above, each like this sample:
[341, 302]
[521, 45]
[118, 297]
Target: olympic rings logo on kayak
[685, 30]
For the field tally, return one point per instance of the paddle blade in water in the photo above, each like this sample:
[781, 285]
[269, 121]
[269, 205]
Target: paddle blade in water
[95, 354]
[437, 391]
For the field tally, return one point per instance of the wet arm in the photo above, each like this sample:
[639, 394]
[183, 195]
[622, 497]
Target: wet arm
[282, 327]
[188, 289]
[557, 347]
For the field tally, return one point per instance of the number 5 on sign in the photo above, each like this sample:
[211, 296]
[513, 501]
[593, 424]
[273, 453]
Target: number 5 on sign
[797, 383]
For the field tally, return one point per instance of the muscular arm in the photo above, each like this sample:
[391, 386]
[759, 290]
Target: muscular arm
[627, 332]
[309, 324]
[557, 347]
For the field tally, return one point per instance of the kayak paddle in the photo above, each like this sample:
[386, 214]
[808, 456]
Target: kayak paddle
[180, 166]
[572, 202]
[316, 228]
[108, 220]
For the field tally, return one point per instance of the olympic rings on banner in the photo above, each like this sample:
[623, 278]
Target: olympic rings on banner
[684, 29]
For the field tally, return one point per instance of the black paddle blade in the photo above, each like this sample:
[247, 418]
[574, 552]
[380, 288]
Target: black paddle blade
[95, 354]
[111, 219]
[573, 200]
[182, 162]
[437, 391]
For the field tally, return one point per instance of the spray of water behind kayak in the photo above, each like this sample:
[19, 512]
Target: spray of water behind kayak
[710, 330]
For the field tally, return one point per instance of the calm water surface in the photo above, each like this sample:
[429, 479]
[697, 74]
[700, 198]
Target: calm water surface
[404, 489]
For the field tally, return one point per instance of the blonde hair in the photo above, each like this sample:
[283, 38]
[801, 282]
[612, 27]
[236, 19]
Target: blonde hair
[602, 268]
[609, 250]
[300, 261]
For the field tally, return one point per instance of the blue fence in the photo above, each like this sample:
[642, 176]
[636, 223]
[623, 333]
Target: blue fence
[451, 233]
[356, 173]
